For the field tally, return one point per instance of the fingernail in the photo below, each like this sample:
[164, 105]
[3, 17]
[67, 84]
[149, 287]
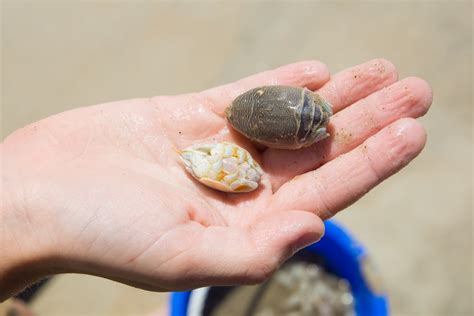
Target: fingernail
[306, 240]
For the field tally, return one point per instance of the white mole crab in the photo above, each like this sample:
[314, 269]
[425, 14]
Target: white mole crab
[222, 166]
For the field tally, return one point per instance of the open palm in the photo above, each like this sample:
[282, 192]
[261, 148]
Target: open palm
[108, 187]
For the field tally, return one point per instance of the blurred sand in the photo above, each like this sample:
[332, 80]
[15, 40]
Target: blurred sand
[57, 55]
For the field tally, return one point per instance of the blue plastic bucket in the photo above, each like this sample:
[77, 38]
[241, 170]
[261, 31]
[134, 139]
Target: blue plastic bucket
[343, 256]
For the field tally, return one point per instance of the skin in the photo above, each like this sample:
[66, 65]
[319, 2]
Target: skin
[100, 190]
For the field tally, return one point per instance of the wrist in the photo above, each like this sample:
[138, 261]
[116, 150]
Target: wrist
[25, 252]
[20, 263]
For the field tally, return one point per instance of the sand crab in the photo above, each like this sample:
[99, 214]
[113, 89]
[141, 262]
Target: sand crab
[222, 166]
[280, 116]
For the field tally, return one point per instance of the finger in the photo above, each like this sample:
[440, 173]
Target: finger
[309, 74]
[282, 234]
[231, 255]
[344, 180]
[355, 83]
[410, 97]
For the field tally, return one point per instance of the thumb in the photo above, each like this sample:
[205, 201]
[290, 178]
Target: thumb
[249, 255]
[280, 235]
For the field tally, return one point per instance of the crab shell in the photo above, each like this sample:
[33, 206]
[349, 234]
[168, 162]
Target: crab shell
[222, 166]
[280, 116]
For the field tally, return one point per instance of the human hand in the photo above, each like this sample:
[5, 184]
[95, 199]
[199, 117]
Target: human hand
[101, 190]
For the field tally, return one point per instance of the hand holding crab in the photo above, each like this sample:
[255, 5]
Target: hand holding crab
[105, 191]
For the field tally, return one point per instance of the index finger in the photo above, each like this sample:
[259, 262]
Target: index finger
[342, 181]
[310, 74]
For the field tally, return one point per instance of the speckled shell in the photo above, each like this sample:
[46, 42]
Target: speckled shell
[280, 116]
[222, 166]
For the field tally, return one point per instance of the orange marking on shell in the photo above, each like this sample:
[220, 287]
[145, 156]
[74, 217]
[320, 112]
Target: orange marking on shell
[221, 175]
